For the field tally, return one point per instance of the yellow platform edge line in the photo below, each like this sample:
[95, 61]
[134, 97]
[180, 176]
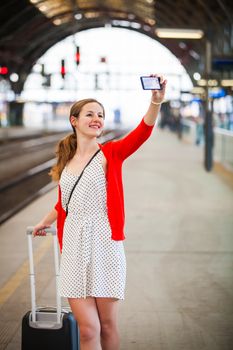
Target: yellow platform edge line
[224, 173]
[23, 272]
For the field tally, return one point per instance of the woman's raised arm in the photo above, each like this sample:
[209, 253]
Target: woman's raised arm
[155, 103]
[131, 142]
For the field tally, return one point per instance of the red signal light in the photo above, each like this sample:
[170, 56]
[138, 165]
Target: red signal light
[77, 56]
[103, 59]
[3, 70]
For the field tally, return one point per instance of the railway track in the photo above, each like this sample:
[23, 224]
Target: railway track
[28, 146]
[18, 192]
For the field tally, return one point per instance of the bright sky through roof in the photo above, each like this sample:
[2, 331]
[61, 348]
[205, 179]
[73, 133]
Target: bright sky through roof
[129, 55]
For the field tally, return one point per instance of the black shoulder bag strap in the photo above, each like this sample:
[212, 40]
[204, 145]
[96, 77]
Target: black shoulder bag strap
[79, 180]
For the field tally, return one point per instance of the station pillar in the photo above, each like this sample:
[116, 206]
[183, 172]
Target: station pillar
[15, 117]
[208, 123]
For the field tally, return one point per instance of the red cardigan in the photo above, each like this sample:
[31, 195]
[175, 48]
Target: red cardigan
[115, 152]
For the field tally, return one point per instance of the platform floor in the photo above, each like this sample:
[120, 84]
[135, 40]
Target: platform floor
[179, 250]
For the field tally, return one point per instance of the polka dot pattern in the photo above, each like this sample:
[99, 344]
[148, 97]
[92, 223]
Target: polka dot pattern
[92, 264]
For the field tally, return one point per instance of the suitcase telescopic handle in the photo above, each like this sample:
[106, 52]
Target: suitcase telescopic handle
[50, 230]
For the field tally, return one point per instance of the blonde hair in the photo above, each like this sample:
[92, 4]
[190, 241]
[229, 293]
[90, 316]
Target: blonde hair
[66, 148]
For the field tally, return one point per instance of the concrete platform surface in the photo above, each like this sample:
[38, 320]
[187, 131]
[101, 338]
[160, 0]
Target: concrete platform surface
[179, 249]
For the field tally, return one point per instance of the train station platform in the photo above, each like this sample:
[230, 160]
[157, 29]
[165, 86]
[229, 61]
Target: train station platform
[179, 250]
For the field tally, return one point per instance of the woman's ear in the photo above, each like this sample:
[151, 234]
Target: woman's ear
[73, 120]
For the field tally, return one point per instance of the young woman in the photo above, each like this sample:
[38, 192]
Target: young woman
[90, 222]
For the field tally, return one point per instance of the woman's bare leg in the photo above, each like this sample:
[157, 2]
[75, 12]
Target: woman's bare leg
[86, 313]
[108, 314]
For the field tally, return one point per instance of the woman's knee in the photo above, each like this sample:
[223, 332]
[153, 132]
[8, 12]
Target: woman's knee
[86, 314]
[108, 328]
[89, 332]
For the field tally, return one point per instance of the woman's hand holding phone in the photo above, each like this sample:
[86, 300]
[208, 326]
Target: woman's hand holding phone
[158, 95]
[157, 84]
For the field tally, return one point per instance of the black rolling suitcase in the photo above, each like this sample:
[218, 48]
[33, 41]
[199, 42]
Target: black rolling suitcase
[48, 328]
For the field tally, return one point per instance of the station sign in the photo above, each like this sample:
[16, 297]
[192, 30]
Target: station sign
[222, 63]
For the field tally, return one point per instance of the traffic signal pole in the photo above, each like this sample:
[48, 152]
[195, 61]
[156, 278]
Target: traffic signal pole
[63, 69]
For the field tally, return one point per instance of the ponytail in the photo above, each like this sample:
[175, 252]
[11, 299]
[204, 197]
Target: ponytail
[66, 149]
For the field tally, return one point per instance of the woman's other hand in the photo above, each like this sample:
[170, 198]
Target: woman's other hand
[39, 230]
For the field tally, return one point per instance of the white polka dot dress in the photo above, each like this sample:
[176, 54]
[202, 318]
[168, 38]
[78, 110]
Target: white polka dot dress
[92, 264]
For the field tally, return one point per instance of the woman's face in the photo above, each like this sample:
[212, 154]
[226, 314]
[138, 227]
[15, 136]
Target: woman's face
[91, 120]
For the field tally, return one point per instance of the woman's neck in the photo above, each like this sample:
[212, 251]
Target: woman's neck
[86, 147]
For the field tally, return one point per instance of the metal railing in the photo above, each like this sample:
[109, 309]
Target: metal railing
[223, 146]
[223, 142]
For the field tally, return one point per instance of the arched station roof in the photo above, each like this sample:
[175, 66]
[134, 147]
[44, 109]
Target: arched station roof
[29, 28]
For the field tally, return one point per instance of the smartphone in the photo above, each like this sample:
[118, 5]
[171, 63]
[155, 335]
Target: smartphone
[151, 83]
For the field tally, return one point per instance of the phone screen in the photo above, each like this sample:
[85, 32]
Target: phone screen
[150, 83]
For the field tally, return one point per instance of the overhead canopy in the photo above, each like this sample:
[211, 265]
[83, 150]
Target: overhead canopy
[29, 28]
